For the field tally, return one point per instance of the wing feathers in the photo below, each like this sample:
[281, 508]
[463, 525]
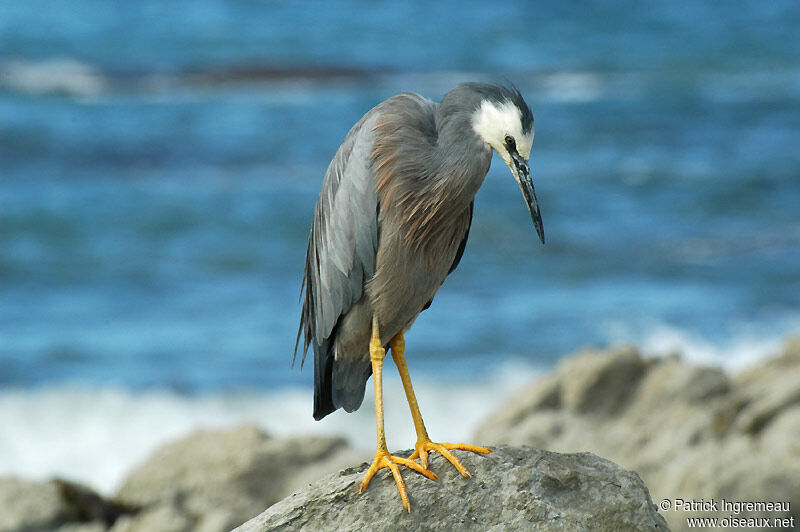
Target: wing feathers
[343, 245]
[343, 240]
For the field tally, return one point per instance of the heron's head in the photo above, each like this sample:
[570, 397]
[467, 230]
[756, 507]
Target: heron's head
[504, 121]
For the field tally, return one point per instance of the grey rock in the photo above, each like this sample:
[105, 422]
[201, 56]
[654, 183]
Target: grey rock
[600, 385]
[514, 488]
[94, 526]
[165, 517]
[769, 390]
[210, 481]
[28, 505]
[691, 432]
[53, 505]
[216, 480]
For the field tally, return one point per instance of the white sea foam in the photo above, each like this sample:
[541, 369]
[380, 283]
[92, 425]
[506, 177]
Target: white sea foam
[64, 76]
[572, 87]
[97, 436]
[734, 354]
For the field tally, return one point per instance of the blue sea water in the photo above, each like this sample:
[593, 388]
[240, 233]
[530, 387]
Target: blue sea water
[159, 166]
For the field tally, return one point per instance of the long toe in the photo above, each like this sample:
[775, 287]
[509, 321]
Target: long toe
[385, 460]
[423, 447]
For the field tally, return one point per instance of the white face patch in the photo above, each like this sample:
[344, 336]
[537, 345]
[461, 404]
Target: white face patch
[493, 121]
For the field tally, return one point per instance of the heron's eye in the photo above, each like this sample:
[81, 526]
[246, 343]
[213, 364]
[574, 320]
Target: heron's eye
[510, 144]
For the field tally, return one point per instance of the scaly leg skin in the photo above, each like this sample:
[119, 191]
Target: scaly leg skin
[382, 456]
[424, 444]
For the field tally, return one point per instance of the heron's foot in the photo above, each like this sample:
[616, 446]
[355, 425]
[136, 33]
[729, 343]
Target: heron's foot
[384, 459]
[424, 446]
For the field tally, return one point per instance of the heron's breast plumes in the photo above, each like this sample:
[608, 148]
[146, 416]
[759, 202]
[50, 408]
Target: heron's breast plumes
[425, 182]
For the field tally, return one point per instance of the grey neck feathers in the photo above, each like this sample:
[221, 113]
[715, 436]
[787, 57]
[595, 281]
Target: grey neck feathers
[461, 157]
[440, 216]
[427, 182]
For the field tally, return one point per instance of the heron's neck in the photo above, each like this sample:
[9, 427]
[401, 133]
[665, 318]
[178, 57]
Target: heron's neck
[462, 159]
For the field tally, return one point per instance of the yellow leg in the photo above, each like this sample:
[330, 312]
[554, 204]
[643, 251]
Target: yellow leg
[424, 444]
[382, 456]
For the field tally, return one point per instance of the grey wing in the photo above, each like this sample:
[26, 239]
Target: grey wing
[341, 252]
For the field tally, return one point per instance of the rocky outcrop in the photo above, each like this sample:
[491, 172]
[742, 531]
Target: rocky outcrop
[29, 505]
[54, 505]
[514, 488]
[216, 480]
[210, 481]
[691, 432]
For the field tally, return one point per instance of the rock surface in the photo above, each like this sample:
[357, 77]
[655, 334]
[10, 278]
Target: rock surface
[215, 480]
[514, 488]
[30, 505]
[53, 505]
[210, 481]
[691, 432]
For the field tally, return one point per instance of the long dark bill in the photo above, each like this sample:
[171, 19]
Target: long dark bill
[522, 174]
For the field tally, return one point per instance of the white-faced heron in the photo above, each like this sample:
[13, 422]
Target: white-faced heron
[391, 222]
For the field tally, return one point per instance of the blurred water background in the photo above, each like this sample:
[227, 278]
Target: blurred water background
[160, 162]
